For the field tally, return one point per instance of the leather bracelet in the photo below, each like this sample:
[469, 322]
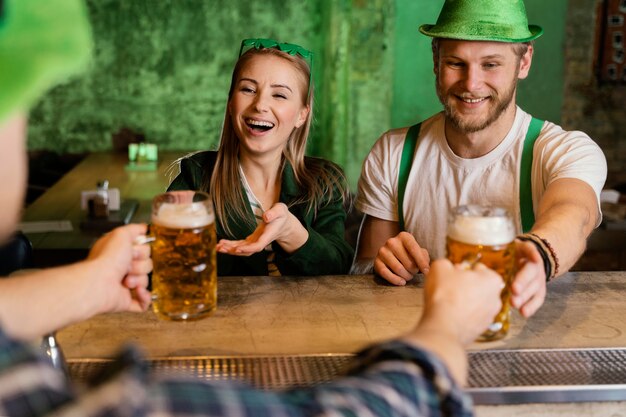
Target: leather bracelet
[543, 252]
[552, 253]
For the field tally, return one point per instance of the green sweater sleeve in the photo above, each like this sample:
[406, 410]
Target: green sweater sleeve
[326, 252]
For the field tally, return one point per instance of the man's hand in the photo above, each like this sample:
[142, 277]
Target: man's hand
[400, 258]
[568, 212]
[125, 267]
[459, 304]
[466, 299]
[528, 290]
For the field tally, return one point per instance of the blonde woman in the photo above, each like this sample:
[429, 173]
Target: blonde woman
[278, 212]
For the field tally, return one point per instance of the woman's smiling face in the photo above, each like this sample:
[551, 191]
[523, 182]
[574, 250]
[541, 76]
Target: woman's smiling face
[267, 104]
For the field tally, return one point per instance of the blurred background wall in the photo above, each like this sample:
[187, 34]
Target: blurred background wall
[162, 70]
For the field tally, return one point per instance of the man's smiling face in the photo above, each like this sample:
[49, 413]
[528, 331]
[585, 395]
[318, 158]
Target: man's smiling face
[477, 81]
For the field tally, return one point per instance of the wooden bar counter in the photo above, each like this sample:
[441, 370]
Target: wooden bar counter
[62, 202]
[341, 314]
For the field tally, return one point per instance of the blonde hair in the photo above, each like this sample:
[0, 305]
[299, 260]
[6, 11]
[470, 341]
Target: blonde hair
[317, 177]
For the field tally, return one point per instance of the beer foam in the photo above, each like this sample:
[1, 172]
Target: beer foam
[183, 216]
[481, 230]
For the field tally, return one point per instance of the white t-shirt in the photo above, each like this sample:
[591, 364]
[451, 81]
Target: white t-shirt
[440, 180]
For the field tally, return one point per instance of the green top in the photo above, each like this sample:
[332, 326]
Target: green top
[326, 251]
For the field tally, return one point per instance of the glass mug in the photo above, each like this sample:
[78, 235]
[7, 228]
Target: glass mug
[184, 276]
[485, 234]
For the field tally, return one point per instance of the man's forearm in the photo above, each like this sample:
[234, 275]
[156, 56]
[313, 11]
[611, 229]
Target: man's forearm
[444, 345]
[43, 301]
[567, 215]
[565, 228]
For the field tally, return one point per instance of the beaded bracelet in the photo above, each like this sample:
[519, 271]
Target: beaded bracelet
[552, 254]
[550, 260]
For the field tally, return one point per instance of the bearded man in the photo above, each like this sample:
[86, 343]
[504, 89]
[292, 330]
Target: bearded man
[482, 149]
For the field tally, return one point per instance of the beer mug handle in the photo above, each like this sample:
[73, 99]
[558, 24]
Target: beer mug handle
[147, 238]
[142, 240]
[470, 260]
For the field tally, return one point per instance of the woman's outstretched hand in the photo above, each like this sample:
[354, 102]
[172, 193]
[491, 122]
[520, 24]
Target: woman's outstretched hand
[278, 225]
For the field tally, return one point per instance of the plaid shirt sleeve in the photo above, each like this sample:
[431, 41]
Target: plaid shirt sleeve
[392, 379]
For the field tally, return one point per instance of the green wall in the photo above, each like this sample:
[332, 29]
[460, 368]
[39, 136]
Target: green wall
[163, 69]
[356, 78]
[542, 92]
[414, 97]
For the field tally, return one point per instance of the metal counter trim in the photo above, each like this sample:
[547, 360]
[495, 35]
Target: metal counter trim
[513, 376]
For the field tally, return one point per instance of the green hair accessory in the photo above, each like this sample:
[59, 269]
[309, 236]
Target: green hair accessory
[289, 48]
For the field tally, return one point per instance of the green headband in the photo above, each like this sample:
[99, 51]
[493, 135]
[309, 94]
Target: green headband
[289, 48]
[42, 43]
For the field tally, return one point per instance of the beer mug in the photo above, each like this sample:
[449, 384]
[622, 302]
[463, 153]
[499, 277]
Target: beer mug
[184, 276]
[485, 234]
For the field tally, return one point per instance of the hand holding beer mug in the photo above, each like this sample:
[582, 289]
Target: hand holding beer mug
[184, 277]
[485, 234]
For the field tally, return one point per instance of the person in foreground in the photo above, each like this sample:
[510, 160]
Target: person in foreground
[418, 374]
[480, 150]
[114, 275]
[283, 212]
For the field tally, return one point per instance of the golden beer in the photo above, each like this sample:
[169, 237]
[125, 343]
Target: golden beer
[184, 277]
[485, 234]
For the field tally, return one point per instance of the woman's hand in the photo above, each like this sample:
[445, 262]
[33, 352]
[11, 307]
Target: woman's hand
[278, 225]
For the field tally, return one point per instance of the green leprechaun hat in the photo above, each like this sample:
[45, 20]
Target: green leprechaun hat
[483, 20]
[42, 43]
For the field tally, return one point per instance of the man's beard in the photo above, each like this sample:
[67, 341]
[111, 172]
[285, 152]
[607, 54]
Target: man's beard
[498, 104]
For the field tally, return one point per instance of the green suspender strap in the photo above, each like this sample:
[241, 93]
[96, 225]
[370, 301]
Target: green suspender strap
[525, 194]
[525, 179]
[408, 151]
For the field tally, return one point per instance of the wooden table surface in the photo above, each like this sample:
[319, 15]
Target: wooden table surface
[342, 314]
[62, 200]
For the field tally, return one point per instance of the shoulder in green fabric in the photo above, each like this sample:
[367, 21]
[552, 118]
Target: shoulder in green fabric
[193, 171]
[202, 158]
